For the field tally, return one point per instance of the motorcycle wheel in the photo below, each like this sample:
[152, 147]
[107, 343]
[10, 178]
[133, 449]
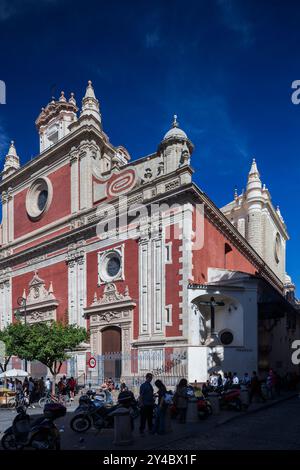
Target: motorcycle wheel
[8, 442]
[43, 401]
[80, 423]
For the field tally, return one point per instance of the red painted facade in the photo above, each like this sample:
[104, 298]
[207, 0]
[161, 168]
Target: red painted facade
[213, 254]
[59, 208]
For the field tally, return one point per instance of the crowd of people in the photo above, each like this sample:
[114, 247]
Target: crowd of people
[154, 404]
[31, 390]
[272, 384]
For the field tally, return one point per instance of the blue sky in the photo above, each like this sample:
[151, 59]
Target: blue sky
[224, 66]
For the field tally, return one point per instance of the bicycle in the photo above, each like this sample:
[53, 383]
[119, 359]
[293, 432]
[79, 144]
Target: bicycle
[50, 398]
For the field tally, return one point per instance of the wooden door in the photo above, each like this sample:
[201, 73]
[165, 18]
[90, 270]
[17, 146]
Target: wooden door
[111, 343]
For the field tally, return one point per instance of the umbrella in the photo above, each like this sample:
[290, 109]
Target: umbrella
[13, 373]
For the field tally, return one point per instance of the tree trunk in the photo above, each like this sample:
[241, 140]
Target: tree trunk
[53, 383]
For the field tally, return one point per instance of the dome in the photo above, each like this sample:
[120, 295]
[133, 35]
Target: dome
[175, 131]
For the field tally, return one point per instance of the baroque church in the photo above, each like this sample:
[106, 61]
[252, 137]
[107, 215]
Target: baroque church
[184, 291]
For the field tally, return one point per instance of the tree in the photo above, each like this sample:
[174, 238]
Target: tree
[12, 335]
[47, 343]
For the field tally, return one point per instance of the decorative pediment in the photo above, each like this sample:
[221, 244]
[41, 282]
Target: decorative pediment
[112, 306]
[41, 303]
[111, 295]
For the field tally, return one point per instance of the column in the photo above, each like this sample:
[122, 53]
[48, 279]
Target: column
[82, 288]
[4, 218]
[5, 303]
[72, 290]
[144, 285]
[157, 284]
[10, 216]
[74, 182]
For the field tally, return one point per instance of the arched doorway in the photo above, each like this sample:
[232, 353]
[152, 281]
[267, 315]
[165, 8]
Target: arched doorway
[111, 351]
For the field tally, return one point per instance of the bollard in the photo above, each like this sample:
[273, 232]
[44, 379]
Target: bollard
[192, 411]
[245, 396]
[214, 400]
[264, 390]
[168, 423]
[122, 427]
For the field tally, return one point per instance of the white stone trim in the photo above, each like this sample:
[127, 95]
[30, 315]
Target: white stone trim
[157, 284]
[74, 184]
[103, 276]
[144, 261]
[5, 303]
[10, 218]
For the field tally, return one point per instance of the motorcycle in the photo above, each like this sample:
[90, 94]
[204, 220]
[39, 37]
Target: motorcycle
[42, 434]
[92, 412]
[96, 412]
[230, 399]
[204, 408]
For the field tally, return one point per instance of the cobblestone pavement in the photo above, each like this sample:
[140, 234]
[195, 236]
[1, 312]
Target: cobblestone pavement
[277, 427]
[271, 428]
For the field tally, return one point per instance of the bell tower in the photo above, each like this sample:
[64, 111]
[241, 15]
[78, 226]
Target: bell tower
[54, 120]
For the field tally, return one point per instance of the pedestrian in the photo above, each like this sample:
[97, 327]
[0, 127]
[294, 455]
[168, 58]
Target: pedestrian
[255, 388]
[181, 400]
[220, 381]
[72, 385]
[206, 387]
[31, 388]
[48, 386]
[246, 379]
[146, 400]
[162, 406]
[235, 379]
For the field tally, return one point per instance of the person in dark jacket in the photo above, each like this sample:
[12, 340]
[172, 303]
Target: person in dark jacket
[181, 400]
[162, 406]
[146, 403]
[255, 388]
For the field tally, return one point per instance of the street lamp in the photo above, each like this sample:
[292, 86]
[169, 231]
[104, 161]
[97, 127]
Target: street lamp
[22, 302]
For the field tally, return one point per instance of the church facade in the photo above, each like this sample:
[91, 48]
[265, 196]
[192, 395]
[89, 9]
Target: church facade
[138, 254]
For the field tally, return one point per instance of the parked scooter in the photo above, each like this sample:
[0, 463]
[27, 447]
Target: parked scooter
[95, 412]
[231, 399]
[42, 434]
[204, 408]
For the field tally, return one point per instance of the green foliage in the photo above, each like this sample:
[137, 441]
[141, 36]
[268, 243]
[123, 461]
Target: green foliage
[13, 336]
[44, 342]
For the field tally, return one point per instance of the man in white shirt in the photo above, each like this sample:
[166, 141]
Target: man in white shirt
[235, 379]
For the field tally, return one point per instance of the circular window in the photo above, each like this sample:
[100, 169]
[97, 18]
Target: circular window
[277, 248]
[38, 198]
[113, 266]
[42, 199]
[226, 337]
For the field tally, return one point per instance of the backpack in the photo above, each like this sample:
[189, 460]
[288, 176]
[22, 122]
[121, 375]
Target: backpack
[168, 398]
